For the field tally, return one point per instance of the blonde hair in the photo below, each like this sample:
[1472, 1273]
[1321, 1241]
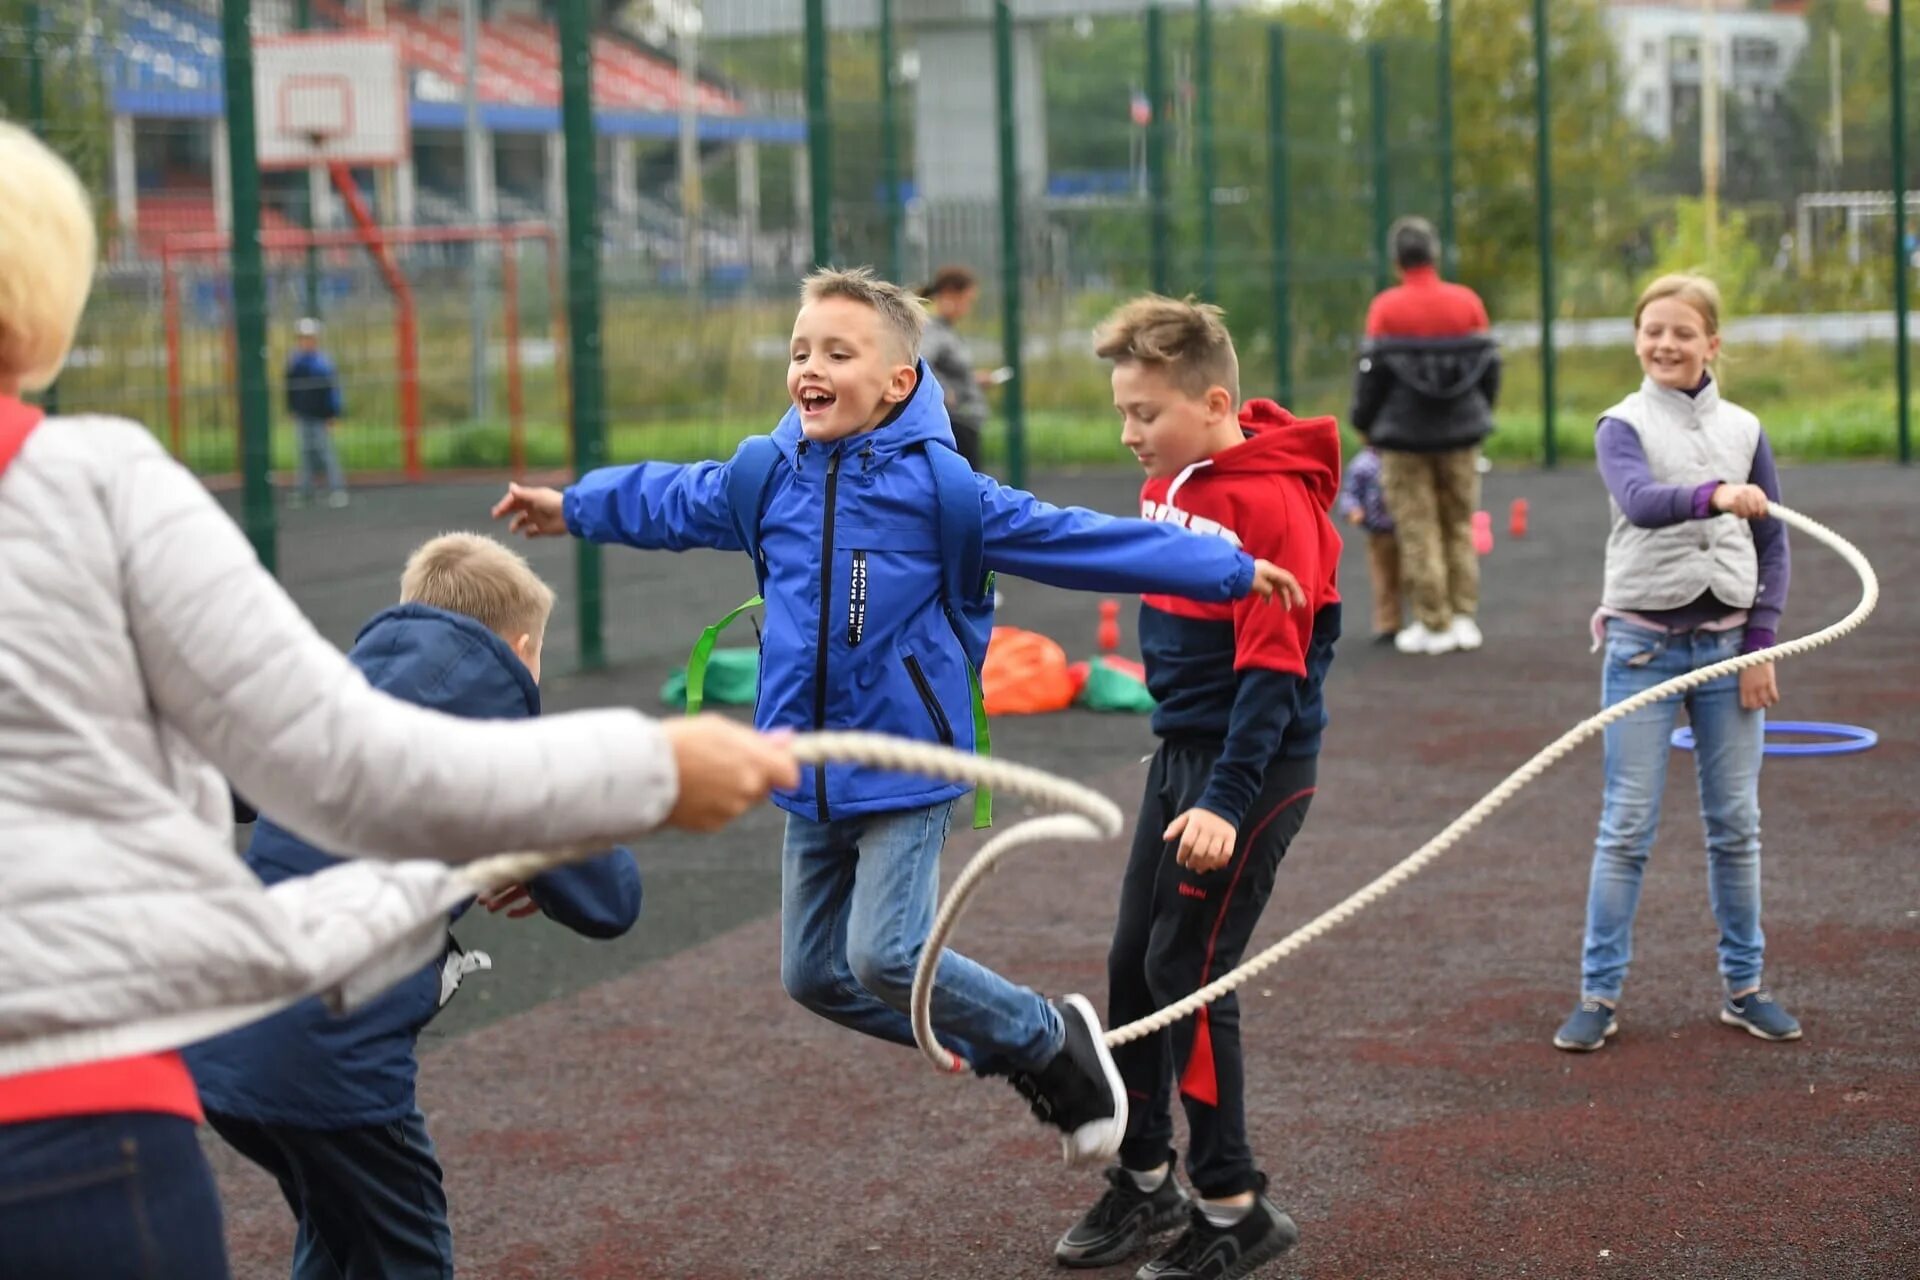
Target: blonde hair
[47, 248]
[1696, 291]
[472, 574]
[898, 308]
[1188, 340]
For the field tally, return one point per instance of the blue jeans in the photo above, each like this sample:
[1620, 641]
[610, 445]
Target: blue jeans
[857, 898]
[1727, 749]
[121, 1196]
[369, 1201]
[314, 453]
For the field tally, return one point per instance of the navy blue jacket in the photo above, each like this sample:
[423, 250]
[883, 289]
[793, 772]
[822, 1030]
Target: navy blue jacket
[304, 1068]
[856, 634]
[313, 387]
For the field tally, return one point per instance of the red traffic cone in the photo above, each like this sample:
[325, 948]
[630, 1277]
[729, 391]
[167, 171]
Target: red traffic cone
[1482, 532]
[1109, 625]
[1517, 518]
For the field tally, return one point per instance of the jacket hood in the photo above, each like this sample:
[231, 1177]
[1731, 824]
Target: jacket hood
[447, 661]
[1443, 368]
[919, 418]
[1279, 442]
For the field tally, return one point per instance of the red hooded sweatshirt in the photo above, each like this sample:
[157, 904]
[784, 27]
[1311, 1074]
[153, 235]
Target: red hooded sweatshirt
[1246, 675]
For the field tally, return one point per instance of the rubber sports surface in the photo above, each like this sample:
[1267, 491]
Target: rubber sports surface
[655, 1107]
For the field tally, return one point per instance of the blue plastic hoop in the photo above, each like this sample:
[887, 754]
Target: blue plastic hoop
[1842, 739]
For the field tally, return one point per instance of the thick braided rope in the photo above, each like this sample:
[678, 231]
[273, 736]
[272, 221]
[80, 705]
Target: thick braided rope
[1091, 816]
[1459, 827]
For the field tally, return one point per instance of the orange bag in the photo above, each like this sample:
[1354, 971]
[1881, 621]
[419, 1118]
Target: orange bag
[1026, 674]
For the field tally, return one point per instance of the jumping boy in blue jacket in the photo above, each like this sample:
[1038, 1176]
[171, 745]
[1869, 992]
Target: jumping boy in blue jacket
[861, 633]
[326, 1104]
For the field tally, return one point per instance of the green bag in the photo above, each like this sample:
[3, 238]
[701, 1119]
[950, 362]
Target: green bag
[732, 676]
[1110, 690]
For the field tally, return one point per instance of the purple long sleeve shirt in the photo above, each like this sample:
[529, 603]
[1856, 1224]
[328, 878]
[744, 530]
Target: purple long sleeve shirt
[1652, 505]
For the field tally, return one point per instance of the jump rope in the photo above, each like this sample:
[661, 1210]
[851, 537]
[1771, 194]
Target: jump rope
[1085, 814]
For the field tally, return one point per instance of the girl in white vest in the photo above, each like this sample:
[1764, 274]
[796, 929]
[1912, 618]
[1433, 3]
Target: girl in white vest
[1695, 573]
[145, 656]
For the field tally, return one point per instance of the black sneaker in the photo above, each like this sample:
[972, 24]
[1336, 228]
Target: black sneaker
[1122, 1220]
[1207, 1252]
[1079, 1092]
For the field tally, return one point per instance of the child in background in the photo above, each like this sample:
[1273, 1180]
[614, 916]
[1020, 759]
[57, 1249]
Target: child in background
[1364, 503]
[314, 400]
[1695, 574]
[952, 293]
[1239, 718]
[326, 1104]
[860, 635]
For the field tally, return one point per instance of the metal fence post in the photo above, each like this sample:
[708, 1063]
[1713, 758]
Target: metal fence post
[37, 113]
[890, 148]
[1543, 181]
[819, 134]
[1382, 177]
[1013, 396]
[1160, 230]
[1209, 178]
[583, 300]
[1901, 259]
[249, 285]
[1278, 212]
[1449, 246]
[303, 21]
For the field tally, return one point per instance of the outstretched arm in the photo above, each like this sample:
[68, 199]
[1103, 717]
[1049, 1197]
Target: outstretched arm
[1086, 551]
[657, 506]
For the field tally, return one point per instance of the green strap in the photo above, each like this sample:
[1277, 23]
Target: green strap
[703, 653]
[982, 746]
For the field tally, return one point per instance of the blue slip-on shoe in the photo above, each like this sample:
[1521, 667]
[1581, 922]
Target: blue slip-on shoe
[1757, 1013]
[1588, 1027]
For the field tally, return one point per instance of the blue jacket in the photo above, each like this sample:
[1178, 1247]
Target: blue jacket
[855, 635]
[313, 387]
[304, 1068]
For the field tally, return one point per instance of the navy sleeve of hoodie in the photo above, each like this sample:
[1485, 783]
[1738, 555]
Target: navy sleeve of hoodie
[1263, 706]
[599, 898]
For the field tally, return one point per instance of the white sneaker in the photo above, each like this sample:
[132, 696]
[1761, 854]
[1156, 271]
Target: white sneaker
[1419, 638]
[1466, 633]
[337, 499]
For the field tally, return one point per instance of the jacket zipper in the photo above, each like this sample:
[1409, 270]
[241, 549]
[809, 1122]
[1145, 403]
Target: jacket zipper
[941, 725]
[826, 604]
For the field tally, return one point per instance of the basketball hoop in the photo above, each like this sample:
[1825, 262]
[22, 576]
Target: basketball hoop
[332, 98]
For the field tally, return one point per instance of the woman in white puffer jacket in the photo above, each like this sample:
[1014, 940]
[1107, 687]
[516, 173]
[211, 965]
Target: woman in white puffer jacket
[145, 658]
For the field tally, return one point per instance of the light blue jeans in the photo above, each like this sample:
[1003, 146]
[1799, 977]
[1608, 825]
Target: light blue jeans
[313, 454]
[857, 899]
[1727, 749]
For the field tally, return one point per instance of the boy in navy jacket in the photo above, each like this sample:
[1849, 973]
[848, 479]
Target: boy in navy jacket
[1239, 718]
[860, 635]
[326, 1104]
[313, 398]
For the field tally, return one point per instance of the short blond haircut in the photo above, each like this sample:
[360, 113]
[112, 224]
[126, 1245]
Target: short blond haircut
[47, 251]
[1187, 340]
[899, 309]
[472, 574]
[1696, 291]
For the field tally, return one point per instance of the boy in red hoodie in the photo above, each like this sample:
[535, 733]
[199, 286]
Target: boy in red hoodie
[1239, 721]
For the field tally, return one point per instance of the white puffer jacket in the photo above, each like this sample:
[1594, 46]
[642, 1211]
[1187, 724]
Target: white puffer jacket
[145, 658]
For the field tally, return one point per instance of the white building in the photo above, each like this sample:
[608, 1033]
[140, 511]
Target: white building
[1661, 44]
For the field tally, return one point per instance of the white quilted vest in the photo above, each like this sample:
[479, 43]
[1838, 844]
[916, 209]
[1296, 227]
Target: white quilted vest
[1688, 440]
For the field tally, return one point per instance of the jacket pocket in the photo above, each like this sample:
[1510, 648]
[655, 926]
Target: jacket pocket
[941, 725]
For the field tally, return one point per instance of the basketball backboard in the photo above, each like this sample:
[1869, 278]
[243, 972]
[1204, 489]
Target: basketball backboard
[338, 97]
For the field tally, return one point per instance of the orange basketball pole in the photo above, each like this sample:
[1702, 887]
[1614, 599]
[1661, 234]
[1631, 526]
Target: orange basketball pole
[407, 337]
[510, 332]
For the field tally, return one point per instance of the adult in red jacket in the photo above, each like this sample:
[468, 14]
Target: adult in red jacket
[1428, 377]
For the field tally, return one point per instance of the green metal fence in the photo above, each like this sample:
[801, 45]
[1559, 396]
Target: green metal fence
[1070, 154]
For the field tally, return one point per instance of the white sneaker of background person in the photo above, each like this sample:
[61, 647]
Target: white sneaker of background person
[1420, 638]
[1466, 633]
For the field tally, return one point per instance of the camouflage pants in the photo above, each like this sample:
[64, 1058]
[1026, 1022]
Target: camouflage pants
[1432, 497]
